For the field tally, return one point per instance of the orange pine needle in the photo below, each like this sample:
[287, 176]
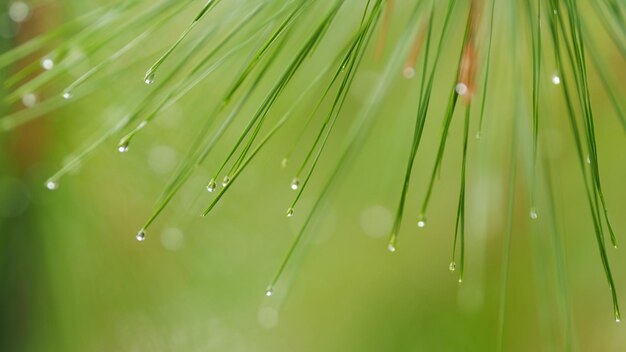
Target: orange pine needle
[384, 30]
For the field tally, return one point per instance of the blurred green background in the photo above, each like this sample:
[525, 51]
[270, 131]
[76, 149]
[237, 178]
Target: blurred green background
[73, 278]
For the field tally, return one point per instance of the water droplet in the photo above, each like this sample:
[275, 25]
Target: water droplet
[269, 292]
[141, 235]
[123, 147]
[47, 63]
[478, 135]
[52, 185]
[588, 160]
[226, 181]
[289, 212]
[408, 72]
[618, 319]
[391, 247]
[460, 280]
[556, 80]
[421, 221]
[149, 79]
[285, 162]
[211, 186]
[19, 11]
[461, 88]
[295, 183]
[29, 100]
[533, 213]
[452, 266]
[67, 94]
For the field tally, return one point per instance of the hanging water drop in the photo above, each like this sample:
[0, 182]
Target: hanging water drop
[47, 63]
[141, 235]
[295, 183]
[391, 247]
[421, 221]
[225, 181]
[269, 292]
[478, 135]
[284, 162]
[29, 100]
[123, 147]
[556, 80]
[52, 185]
[289, 212]
[211, 186]
[452, 266]
[588, 160]
[533, 213]
[149, 79]
[67, 94]
[461, 88]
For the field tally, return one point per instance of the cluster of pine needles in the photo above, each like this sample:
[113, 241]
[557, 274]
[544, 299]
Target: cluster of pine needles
[554, 32]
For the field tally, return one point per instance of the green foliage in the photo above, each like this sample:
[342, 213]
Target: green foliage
[236, 66]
